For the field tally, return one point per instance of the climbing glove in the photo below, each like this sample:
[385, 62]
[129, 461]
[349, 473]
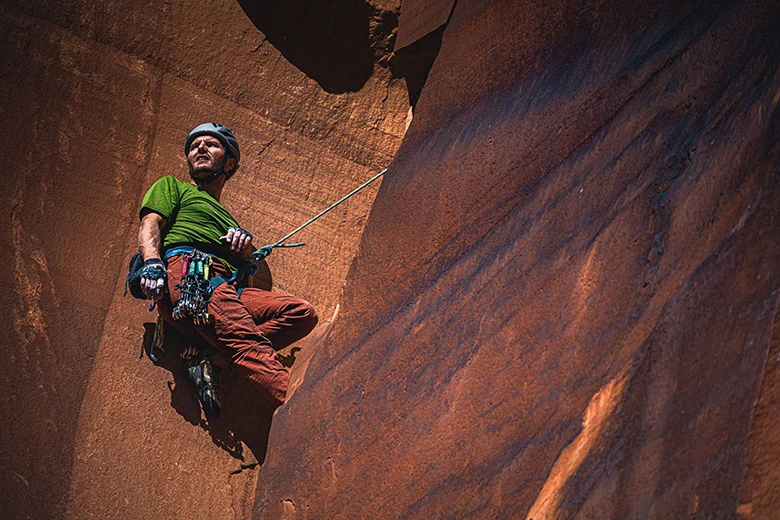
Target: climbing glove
[153, 269]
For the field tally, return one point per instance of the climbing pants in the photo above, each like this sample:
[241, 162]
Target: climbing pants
[247, 329]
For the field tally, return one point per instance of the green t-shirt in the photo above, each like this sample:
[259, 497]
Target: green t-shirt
[194, 217]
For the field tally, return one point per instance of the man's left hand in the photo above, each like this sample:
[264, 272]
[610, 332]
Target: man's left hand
[237, 239]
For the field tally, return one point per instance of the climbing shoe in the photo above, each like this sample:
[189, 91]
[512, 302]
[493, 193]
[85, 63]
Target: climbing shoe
[205, 377]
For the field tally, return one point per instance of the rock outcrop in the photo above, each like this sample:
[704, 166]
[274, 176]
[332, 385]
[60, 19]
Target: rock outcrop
[562, 302]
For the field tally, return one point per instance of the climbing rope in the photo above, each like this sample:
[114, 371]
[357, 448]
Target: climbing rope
[264, 251]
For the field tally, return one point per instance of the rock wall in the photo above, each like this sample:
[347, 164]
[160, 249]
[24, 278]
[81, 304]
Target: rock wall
[562, 303]
[96, 102]
[576, 247]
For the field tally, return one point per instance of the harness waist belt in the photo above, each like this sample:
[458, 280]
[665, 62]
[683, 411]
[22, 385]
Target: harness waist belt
[177, 250]
[239, 274]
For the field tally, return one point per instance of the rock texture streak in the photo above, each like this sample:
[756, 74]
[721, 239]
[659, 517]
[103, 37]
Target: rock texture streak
[576, 251]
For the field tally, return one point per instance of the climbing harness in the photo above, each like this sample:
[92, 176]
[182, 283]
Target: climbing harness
[195, 288]
[264, 251]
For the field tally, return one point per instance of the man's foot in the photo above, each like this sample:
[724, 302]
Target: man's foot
[205, 377]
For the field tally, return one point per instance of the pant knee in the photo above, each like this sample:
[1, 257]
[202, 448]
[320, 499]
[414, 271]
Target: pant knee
[307, 315]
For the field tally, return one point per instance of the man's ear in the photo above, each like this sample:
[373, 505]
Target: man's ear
[230, 164]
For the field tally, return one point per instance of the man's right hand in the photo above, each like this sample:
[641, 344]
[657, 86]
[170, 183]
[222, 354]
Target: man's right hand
[153, 277]
[239, 240]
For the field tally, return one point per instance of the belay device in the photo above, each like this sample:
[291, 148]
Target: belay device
[195, 288]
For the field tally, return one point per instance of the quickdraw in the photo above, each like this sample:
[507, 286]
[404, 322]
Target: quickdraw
[195, 288]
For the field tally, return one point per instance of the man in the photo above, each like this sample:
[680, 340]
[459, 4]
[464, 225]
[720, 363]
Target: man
[181, 222]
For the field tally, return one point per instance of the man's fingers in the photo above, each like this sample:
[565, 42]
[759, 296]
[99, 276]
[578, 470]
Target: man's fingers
[159, 288]
[237, 239]
[234, 240]
[228, 236]
[153, 289]
[146, 288]
[237, 236]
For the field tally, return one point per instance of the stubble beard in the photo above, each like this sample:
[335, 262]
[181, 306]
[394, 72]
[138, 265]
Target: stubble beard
[209, 170]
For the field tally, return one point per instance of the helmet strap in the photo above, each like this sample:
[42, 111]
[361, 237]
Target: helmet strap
[214, 176]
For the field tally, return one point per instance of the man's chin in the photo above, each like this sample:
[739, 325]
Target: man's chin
[201, 173]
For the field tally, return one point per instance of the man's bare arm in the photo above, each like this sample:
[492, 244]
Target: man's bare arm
[150, 235]
[149, 242]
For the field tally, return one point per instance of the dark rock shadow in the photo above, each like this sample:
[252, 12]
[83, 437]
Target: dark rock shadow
[414, 62]
[330, 41]
[246, 417]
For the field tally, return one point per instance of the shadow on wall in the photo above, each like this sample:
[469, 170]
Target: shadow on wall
[414, 62]
[246, 418]
[330, 41]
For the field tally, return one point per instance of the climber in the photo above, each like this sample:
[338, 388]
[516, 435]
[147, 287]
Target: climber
[184, 226]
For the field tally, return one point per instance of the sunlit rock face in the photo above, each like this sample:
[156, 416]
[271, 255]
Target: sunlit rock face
[564, 297]
[560, 304]
[97, 98]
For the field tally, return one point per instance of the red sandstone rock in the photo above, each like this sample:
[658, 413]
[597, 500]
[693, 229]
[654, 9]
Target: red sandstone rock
[97, 99]
[576, 252]
[561, 306]
[418, 19]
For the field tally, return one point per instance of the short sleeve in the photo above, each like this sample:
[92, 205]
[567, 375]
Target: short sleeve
[162, 197]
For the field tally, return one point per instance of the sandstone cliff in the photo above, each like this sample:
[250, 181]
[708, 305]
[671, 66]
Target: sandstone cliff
[576, 250]
[97, 99]
[561, 303]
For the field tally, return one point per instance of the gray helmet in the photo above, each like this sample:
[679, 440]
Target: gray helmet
[222, 133]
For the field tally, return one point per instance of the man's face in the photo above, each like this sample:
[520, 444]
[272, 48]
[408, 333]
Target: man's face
[206, 155]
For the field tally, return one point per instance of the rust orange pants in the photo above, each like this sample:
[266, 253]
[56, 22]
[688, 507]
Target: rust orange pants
[247, 329]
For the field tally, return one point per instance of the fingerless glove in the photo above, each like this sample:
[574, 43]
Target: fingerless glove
[153, 269]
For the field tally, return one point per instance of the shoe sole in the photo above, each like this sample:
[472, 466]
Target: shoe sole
[204, 378]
